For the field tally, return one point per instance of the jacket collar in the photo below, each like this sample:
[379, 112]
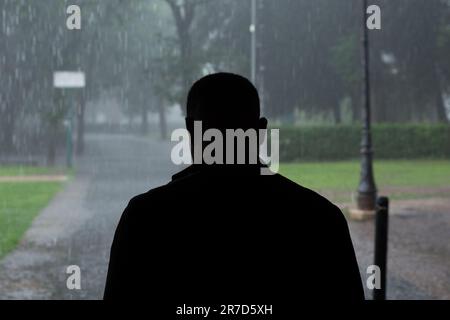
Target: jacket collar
[226, 170]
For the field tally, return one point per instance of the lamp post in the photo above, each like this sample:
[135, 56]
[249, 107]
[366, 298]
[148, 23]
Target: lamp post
[367, 190]
[253, 42]
[256, 73]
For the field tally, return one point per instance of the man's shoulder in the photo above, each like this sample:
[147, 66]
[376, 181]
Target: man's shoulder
[151, 195]
[271, 189]
[295, 189]
[144, 206]
[163, 195]
[307, 200]
[275, 183]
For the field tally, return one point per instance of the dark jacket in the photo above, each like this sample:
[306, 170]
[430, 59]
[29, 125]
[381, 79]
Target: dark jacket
[212, 235]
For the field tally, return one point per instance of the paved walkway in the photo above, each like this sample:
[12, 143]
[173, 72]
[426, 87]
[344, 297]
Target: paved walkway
[78, 225]
[418, 249]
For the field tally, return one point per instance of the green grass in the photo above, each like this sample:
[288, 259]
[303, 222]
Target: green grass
[344, 176]
[23, 171]
[20, 202]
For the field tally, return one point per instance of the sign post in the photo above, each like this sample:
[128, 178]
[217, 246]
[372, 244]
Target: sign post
[70, 80]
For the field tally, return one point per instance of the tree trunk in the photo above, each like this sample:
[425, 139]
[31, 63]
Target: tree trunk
[162, 121]
[441, 111]
[6, 132]
[337, 113]
[51, 151]
[185, 48]
[144, 121]
[356, 105]
[184, 15]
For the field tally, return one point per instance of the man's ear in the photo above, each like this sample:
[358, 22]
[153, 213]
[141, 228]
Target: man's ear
[262, 123]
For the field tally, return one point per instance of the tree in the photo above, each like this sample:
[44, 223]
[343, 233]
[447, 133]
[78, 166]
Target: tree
[184, 12]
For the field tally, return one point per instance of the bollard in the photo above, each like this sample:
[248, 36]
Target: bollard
[381, 241]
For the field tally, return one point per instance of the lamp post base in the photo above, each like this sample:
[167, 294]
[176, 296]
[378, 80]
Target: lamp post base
[361, 215]
[366, 200]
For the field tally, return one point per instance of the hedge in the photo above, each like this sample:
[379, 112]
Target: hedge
[340, 142]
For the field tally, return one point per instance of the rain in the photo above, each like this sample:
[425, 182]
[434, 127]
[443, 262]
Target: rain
[75, 150]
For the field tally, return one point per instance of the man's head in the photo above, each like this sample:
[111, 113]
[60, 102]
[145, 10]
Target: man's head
[224, 101]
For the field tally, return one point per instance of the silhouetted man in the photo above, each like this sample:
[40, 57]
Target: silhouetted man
[224, 232]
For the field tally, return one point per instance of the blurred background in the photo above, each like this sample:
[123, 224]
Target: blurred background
[71, 158]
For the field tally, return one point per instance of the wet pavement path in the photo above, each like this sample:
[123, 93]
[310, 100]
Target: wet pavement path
[418, 249]
[78, 226]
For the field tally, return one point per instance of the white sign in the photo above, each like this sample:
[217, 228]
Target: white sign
[68, 79]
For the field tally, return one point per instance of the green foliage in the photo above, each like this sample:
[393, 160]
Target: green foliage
[343, 57]
[391, 141]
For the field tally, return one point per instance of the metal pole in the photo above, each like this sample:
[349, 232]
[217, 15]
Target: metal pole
[367, 190]
[69, 150]
[381, 243]
[69, 143]
[80, 123]
[253, 42]
[261, 59]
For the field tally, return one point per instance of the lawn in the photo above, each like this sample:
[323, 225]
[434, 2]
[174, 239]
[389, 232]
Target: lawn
[23, 171]
[409, 178]
[20, 202]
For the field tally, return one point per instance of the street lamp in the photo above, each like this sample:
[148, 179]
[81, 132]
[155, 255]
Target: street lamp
[257, 74]
[253, 42]
[367, 190]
